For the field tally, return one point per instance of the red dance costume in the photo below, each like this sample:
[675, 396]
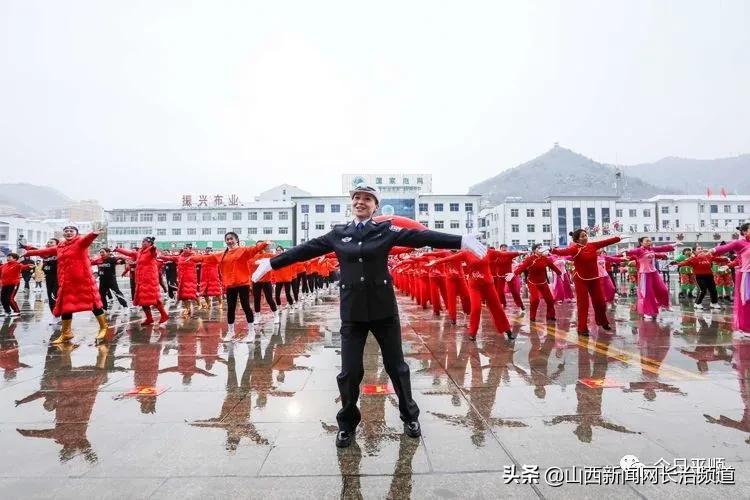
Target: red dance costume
[501, 264]
[536, 266]
[146, 281]
[586, 279]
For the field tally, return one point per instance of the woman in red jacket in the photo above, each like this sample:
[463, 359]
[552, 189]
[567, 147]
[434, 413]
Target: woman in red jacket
[77, 290]
[536, 265]
[10, 278]
[501, 261]
[210, 282]
[481, 288]
[146, 271]
[187, 278]
[586, 277]
[234, 269]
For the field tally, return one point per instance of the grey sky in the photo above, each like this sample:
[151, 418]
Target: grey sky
[162, 98]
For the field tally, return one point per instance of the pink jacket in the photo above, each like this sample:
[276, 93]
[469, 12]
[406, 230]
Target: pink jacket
[742, 249]
[645, 257]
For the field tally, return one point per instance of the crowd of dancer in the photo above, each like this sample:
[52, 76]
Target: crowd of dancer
[583, 272]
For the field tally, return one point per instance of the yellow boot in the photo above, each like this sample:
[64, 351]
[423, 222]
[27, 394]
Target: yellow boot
[101, 336]
[66, 334]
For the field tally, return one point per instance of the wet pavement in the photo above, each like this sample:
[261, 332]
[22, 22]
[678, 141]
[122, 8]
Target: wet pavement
[176, 412]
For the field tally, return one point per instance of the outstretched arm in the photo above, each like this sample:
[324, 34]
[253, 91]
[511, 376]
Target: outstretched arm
[127, 253]
[41, 252]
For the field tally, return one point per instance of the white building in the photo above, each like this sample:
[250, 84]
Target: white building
[33, 232]
[283, 192]
[202, 226]
[455, 214]
[316, 215]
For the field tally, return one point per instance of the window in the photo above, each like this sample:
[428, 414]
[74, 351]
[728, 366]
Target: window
[530, 228]
[714, 209]
[618, 213]
[453, 207]
[468, 207]
[305, 209]
[320, 209]
[531, 242]
[237, 230]
[546, 212]
[283, 215]
[576, 217]
[161, 232]
[605, 215]
[176, 217]
[176, 232]
[133, 217]
[320, 226]
[192, 217]
[335, 208]
[647, 212]
[665, 210]
[161, 217]
[701, 208]
[424, 223]
[740, 209]
[221, 216]
[664, 224]
[727, 209]
[283, 230]
[192, 231]
[438, 207]
[147, 217]
[703, 223]
[677, 223]
[546, 242]
[562, 223]
[206, 231]
[252, 230]
[420, 180]
[254, 215]
[423, 207]
[455, 224]
[206, 216]
[546, 228]
[391, 180]
[378, 180]
[727, 222]
[515, 243]
[514, 228]
[514, 212]
[221, 230]
[676, 209]
[267, 230]
[267, 215]
[237, 216]
[529, 212]
[633, 212]
[591, 217]
[439, 224]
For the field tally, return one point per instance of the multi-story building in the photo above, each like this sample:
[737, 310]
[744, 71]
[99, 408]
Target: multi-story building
[84, 210]
[693, 219]
[283, 192]
[316, 215]
[15, 229]
[203, 226]
[455, 214]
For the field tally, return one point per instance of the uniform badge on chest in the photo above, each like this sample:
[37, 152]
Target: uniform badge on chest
[346, 239]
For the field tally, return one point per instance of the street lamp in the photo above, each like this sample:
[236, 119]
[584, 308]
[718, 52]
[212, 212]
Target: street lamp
[469, 221]
[306, 227]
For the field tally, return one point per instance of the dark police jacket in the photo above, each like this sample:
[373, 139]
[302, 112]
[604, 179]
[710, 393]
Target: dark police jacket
[365, 283]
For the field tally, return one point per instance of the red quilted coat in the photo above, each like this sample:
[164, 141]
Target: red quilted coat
[77, 289]
[210, 282]
[187, 275]
[146, 275]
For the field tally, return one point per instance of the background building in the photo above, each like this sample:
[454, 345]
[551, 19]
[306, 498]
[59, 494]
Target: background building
[84, 211]
[33, 232]
[202, 226]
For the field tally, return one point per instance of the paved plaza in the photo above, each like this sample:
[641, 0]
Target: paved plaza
[175, 412]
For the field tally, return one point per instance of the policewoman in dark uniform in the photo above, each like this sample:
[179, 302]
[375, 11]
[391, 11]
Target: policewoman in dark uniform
[368, 302]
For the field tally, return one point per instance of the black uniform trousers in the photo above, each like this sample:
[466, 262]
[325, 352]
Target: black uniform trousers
[706, 283]
[387, 332]
[107, 285]
[51, 284]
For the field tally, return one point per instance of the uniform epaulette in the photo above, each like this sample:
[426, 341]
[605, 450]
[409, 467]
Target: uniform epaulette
[395, 228]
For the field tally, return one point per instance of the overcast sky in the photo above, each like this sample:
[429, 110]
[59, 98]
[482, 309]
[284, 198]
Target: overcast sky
[136, 102]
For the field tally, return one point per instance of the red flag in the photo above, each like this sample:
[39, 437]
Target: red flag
[724, 192]
[708, 192]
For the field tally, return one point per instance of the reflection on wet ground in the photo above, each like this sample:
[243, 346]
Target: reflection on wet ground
[176, 412]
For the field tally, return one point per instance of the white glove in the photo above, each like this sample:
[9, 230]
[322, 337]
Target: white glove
[509, 277]
[471, 243]
[264, 265]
